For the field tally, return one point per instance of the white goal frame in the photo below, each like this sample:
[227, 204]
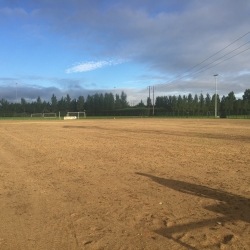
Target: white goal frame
[49, 115]
[37, 115]
[77, 114]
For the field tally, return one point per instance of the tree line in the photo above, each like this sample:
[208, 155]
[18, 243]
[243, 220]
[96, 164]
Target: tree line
[93, 103]
[97, 103]
[205, 104]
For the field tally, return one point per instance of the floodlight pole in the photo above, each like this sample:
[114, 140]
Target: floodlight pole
[153, 100]
[215, 98]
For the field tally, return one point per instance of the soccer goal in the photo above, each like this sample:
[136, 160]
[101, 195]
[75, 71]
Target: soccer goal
[49, 115]
[79, 115]
[37, 115]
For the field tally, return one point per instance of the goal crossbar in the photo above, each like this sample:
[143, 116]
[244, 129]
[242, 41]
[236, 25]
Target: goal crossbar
[37, 115]
[77, 114]
[49, 115]
[44, 115]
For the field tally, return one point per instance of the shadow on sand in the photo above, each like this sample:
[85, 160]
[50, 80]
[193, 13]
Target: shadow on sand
[232, 207]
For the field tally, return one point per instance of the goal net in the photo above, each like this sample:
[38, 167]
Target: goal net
[79, 115]
[49, 115]
[37, 115]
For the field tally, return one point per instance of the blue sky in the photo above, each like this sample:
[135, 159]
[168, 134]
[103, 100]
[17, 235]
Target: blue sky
[80, 47]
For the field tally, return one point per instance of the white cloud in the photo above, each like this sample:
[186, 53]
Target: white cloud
[88, 66]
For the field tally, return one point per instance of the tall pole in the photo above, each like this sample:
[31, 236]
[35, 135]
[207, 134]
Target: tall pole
[215, 98]
[153, 100]
[115, 104]
[149, 87]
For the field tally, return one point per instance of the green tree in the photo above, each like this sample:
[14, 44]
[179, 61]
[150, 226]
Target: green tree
[124, 102]
[184, 104]
[179, 104]
[159, 102]
[195, 104]
[80, 103]
[53, 103]
[117, 101]
[189, 102]
[38, 105]
[245, 105]
[23, 103]
[67, 102]
[246, 95]
[89, 103]
[101, 101]
[201, 103]
[231, 100]
[96, 101]
[174, 104]
[208, 103]
[149, 103]
[238, 106]
[141, 104]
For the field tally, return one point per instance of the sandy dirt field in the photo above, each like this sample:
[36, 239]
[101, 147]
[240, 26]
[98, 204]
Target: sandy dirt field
[125, 184]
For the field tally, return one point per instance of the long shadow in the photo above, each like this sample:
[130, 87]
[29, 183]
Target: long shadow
[231, 207]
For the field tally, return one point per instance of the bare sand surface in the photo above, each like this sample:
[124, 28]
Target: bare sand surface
[125, 184]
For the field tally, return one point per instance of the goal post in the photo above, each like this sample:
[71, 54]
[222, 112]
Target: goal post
[37, 115]
[49, 115]
[79, 115]
[44, 115]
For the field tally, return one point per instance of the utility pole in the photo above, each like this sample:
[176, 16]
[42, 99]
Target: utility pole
[149, 87]
[153, 100]
[215, 99]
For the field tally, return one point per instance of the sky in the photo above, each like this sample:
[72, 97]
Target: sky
[81, 47]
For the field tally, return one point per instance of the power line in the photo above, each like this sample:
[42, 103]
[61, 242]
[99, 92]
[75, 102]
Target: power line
[179, 77]
[198, 71]
[215, 53]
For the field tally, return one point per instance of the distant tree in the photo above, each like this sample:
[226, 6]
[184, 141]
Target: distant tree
[80, 103]
[245, 105]
[231, 100]
[149, 103]
[89, 103]
[124, 102]
[73, 105]
[61, 105]
[53, 103]
[201, 103]
[38, 105]
[167, 102]
[112, 101]
[184, 104]
[246, 95]
[4, 104]
[23, 103]
[189, 102]
[208, 103]
[117, 101]
[96, 103]
[195, 104]
[179, 104]
[45, 106]
[159, 102]
[67, 102]
[141, 104]
[174, 104]
[238, 106]
[101, 101]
